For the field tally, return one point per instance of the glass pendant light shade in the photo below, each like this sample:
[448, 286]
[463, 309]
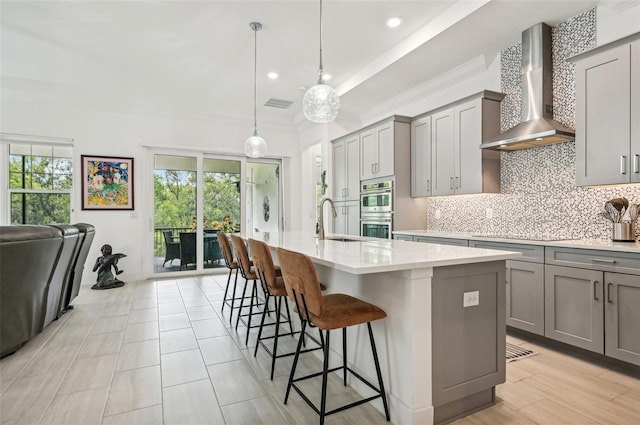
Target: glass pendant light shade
[321, 104]
[255, 146]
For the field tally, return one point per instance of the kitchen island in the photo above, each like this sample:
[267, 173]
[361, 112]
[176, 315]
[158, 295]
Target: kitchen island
[442, 345]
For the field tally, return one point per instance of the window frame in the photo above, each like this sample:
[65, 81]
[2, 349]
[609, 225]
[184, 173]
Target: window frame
[7, 139]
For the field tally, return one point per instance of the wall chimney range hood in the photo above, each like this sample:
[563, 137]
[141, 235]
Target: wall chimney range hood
[537, 127]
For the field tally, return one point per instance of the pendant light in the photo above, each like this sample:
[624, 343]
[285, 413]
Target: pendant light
[255, 146]
[321, 103]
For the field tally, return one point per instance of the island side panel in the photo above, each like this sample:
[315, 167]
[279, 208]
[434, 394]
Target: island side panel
[469, 336]
[403, 338]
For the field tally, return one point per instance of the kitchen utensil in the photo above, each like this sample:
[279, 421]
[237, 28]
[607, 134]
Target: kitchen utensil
[634, 211]
[619, 203]
[613, 213]
[606, 215]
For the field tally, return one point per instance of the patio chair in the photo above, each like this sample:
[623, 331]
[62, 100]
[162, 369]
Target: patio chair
[187, 249]
[171, 246]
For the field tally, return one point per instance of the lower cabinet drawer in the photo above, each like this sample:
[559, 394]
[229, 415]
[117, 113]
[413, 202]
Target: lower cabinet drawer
[608, 261]
[442, 241]
[534, 253]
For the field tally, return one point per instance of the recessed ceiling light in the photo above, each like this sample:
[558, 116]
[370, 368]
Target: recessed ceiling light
[394, 21]
[326, 77]
[272, 75]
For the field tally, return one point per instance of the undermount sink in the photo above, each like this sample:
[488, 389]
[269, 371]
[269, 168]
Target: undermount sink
[341, 239]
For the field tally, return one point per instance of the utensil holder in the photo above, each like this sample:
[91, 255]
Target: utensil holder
[624, 232]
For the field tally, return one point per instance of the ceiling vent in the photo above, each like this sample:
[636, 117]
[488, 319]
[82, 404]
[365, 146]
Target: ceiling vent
[278, 103]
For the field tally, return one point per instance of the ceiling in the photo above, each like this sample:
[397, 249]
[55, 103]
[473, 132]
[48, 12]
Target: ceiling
[198, 55]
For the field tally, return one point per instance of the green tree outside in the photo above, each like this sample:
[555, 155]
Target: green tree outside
[40, 173]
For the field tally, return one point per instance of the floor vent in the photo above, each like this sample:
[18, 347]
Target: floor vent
[515, 352]
[278, 103]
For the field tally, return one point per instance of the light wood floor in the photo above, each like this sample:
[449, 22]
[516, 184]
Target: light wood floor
[161, 352]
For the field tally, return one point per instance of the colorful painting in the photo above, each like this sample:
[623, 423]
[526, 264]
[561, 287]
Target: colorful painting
[107, 183]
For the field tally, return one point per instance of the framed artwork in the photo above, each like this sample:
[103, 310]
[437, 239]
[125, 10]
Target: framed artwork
[107, 183]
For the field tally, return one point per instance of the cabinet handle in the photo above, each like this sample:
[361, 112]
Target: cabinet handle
[602, 260]
[636, 163]
[428, 186]
[609, 285]
[377, 168]
[451, 183]
[595, 290]
[373, 170]
[457, 182]
[623, 164]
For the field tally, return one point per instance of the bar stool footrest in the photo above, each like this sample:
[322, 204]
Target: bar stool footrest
[341, 408]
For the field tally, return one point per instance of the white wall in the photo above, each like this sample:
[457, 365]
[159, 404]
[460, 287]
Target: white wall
[118, 130]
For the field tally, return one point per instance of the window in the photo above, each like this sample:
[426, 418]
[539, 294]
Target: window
[40, 183]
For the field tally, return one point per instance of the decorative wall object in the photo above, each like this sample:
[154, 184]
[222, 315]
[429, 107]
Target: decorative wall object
[539, 198]
[266, 208]
[107, 183]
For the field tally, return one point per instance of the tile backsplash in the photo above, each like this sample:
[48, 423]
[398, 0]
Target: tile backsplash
[539, 198]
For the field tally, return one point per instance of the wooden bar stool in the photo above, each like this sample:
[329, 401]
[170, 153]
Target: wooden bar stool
[248, 273]
[232, 265]
[328, 312]
[273, 286]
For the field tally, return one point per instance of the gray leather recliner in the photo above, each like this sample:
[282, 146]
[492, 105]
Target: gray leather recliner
[72, 288]
[28, 256]
[63, 270]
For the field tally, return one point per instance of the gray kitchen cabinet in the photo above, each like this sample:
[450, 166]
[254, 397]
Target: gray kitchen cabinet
[376, 148]
[443, 149]
[458, 165]
[525, 285]
[421, 157]
[607, 107]
[347, 220]
[574, 311]
[468, 358]
[594, 295]
[441, 241]
[346, 168]
[622, 317]
[525, 296]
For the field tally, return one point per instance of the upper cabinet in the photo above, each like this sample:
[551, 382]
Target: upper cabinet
[607, 111]
[376, 151]
[346, 173]
[448, 160]
[421, 155]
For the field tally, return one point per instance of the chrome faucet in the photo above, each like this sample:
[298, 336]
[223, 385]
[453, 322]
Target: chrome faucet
[335, 214]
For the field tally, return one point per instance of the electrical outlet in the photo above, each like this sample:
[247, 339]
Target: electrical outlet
[471, 298]
[489, 212]
[438, 214]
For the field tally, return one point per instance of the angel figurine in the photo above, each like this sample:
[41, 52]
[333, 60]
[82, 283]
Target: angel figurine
[103, 265]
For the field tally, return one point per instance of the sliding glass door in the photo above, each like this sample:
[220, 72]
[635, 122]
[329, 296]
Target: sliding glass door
[175, 213]
[195, 196]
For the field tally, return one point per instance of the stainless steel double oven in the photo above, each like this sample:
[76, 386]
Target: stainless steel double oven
[376, 209]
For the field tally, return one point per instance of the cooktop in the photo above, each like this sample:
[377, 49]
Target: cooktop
[543, 238]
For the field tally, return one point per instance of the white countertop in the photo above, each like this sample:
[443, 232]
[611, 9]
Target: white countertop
[371, 255]
[601, 244]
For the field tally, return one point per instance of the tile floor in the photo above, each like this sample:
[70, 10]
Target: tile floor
[161, 352]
